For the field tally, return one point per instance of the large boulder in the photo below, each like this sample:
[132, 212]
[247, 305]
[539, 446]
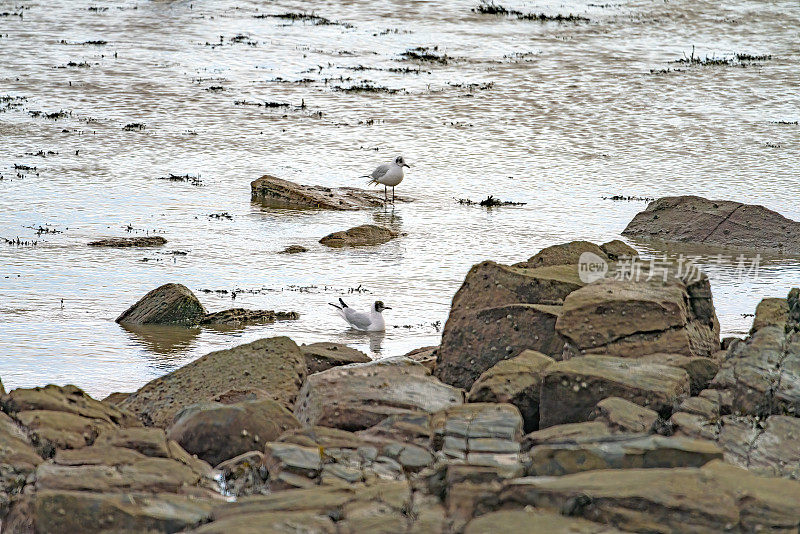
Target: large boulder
[695, 219]
[359, 236]
[167, 304]
[571, 389]
[216, 432]
[274, 365]
[633, 318]
[275, 192]
[357, 396]
[498, 312]
[516, 381]
[322, 356]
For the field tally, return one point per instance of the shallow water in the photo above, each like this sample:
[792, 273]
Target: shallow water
[557, 115]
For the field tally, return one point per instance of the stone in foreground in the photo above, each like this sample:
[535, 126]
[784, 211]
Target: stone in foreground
[322, 356]
[358, 396]
[274, 365]
[216, 432]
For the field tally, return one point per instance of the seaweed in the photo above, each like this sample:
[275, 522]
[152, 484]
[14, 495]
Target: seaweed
[423, 53]
[193, 180]
[134, 127]
[489, 202]
[488, 7]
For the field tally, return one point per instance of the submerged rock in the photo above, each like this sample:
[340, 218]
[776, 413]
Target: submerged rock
[563, 254]
[167, 304]
[293, 249]
[240, 317]
[125, 242]
[716, 222]
[274, 365]
[278, 193]
[360, 236]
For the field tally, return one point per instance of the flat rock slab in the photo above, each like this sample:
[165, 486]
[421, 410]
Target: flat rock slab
[625, 416]
[366, 235]
[528, 521]
[358, 396]
[638, 452]
[695, 219]
[714, 498]
[274, 365]
[479, 433]
[278, 193]
[571, 389]
[126, 242]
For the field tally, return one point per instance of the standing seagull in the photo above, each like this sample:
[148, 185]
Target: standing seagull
[371, 321]
[388, 174]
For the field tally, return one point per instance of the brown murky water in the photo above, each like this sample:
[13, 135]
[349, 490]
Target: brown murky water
[554, 114]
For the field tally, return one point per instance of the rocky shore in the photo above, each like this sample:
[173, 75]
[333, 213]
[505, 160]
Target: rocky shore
[551, 405]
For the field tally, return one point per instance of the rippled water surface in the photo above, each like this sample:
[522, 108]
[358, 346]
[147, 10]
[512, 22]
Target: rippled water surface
[557, 115]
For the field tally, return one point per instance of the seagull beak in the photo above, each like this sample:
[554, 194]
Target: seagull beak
[409, 166]
[386, 308]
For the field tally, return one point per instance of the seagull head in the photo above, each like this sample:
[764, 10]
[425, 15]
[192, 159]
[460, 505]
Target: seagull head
[400, 162]
[379, 307]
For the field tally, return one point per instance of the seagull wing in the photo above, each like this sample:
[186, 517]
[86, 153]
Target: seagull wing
[379, 173]
[359, 320]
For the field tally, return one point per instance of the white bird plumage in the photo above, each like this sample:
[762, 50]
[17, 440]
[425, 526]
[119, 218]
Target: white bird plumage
[371, 321]
[388, 175]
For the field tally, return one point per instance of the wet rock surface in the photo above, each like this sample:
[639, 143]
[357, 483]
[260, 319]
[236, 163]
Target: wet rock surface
[716, 222]
[240, 317]
[278, 193]
[365, 235]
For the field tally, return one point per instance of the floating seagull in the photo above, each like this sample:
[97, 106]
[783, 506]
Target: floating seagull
[371, 321]
[388, 174]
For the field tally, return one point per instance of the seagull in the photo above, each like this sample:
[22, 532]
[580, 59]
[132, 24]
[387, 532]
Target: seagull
[388, 174]
[371, 321]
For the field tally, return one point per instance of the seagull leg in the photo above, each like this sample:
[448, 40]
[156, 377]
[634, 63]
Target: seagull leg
[392, 194]
[385, 194]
